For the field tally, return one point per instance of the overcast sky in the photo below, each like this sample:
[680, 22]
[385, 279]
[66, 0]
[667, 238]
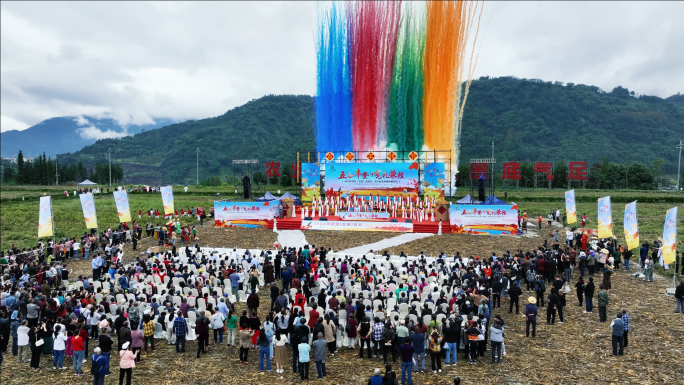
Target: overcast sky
[139, 61]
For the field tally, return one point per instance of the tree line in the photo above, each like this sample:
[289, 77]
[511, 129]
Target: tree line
[286, 179]
[45, 171]
[605, 175]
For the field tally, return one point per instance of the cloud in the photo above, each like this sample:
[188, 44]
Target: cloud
[81, 121]
[93, 133]
[140, 61]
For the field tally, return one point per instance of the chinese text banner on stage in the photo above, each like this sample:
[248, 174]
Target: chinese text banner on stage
[45, 218]
[631, 226]
[605, 218]
[484, 219]
[357, 226]
[363, 216]
[167, 199]
[387, 179]
[89, 214]
[123, 207]
[570, 207]
[245, 214]
[670, 235]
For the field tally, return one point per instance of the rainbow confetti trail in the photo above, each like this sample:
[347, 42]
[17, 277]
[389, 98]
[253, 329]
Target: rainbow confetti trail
[393, 75]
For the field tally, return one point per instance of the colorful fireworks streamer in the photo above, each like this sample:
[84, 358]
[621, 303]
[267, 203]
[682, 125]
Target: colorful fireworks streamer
[393, 75]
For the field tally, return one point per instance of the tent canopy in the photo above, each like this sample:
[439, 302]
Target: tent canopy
[267, 197]
[467, 200]
[288, 195]
[492, 200]
[87, 182]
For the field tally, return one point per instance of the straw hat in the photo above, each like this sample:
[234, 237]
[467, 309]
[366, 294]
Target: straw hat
[532, 300]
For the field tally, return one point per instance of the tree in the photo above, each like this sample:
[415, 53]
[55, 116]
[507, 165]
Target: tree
[82, 174]
[213, 181]
[639, 177]
[657, 171]
[259, 178]
[285, 181]
[21, 169]
[560, 172]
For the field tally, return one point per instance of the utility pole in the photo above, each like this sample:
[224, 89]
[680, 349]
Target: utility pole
[56, 173]
[679, 164]
[492, 149]
[110, 167]
[197, 183]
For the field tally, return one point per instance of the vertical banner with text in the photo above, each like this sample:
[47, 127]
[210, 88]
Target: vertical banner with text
[89, 214]
[605, 218]
[123, 208]
[434, 180]
[167, 199]
[570, 207]
[670, 236]
[631, 226]
[45, 228]
[311, 182]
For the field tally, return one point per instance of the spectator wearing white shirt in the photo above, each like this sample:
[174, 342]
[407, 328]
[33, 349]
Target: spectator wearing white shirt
[24, 351]
[59, 347]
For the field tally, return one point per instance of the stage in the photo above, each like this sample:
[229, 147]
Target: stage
[418, 226]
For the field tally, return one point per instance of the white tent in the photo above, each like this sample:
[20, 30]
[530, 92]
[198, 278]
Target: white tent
[87, 182]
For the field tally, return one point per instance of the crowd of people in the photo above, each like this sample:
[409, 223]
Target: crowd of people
[402, 310]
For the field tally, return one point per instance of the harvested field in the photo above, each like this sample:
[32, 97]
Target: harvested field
[576, 352]
[472, 245]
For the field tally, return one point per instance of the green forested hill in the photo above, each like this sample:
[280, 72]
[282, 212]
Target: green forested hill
[270, 128]
[535, 120]
[527, 119]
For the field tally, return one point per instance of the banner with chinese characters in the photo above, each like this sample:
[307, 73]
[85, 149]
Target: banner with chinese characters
[357, 226]
[167, 199]
[670, 236]
[484, 219]
[631, 226]
[89, 214]
[363, 216]
[245, 214]
[311, 183]
[122, 206]
[570, 207]
[365, 179]
[434, 180]
[605, 218]
[45, 218]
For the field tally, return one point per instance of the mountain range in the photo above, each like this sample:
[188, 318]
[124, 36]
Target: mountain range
[67, 134]
[527, 119]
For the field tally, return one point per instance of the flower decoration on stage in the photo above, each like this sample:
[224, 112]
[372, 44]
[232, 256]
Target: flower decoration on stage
[370, 156]
[350, 156]
[392, 155]
[413, 155]
[329, 156]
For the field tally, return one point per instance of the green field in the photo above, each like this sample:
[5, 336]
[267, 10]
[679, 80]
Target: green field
[19, 218]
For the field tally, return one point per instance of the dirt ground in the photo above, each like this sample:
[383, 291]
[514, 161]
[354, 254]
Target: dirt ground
[576, 352]
[340, 240]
